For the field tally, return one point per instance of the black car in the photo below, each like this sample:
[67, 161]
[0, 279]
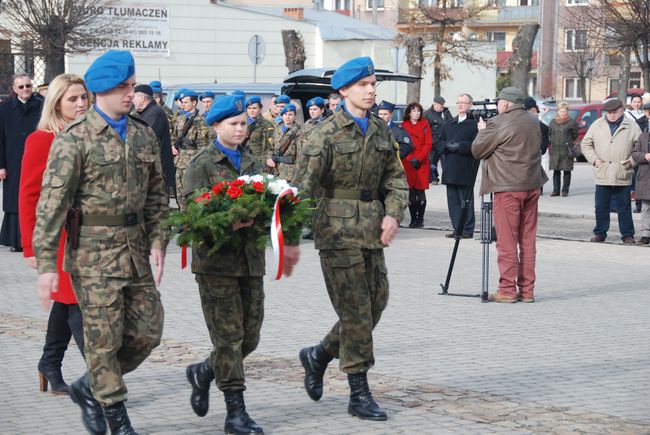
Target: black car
[306, 84]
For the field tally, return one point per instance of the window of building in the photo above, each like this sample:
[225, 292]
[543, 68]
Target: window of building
[614, 59]
[428, 3]
[499, 38]
[613, 85]
[635, 80]
[576, 2]
[528, 2]
[572, 89]
[575, 40]
[342, 5]
[380, 4]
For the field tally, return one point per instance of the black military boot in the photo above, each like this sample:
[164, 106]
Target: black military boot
[314, 360]
[200, 377]
[237, 420]
[92, 415]
[362, 404]
[118, 420]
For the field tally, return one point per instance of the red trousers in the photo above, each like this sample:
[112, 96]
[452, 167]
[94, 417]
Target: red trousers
[515, 219]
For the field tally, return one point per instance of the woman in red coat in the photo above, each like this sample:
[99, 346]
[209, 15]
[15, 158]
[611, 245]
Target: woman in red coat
[66, 100]
[416, 164]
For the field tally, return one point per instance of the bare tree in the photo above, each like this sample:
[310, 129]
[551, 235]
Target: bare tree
[433, 25]
[415, 61]
[59, 27]
[522, 52]
[294, 50]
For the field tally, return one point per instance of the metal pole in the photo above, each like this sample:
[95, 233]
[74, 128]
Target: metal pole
[590, 70]
[256, 57]
[486, 240]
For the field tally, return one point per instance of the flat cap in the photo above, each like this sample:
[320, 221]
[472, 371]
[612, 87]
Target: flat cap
[109, 70]
[207, 94]
[253, 99]
[224, 107]
[612, 104]
[316, 101]
[438, 99]
[145, 89]
[288, 108]
[352, 71]
[385, 105]
[529, 103]
[512, 94]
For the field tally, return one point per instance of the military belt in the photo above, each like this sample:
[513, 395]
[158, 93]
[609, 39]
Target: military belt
[115, 220]
[360, 195]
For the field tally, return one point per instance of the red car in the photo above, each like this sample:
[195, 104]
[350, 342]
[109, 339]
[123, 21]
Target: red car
[583, 114]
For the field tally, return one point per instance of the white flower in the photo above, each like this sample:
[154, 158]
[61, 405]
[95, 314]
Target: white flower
[269, 176]
[245, 178]
[257, 178]
[274, 187]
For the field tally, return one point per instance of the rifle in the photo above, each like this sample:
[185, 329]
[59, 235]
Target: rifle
[184, 130]
[277, 157]
[249, 132]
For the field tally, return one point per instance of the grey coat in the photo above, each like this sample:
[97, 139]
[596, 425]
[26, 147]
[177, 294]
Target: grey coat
[562, 138]
[641, 148]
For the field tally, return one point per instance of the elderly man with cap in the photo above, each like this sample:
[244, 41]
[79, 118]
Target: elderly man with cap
[351, 160]
[104, 175]
[231, 280]
[608, 145]
[509, 144]
[155, 117]
[286, 144]
[436, 115]
[385, 111]
[190, 135]
[259, 134]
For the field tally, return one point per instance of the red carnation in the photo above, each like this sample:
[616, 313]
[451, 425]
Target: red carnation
[217, 188]
[259, 187]
[234, 192]
[204, 197]
[238, 183]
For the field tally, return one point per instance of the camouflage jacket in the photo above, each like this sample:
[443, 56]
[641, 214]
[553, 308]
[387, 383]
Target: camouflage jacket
[170, 118]
[260, 140]
[338, 156]
[89, 167]
[208, 167]
[286, 170]
[197, 136]
[306, 129]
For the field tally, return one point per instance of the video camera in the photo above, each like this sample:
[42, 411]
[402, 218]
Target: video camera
[484, 109]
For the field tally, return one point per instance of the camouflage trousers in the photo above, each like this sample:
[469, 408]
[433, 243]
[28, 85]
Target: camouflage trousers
[182, 161]
[123, 322]
[357, 284]
[233, 308]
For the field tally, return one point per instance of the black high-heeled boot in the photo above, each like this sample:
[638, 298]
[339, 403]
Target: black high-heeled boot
[53, 376]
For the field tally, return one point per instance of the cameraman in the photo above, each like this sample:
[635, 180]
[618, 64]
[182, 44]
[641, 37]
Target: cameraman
[455, 147]
[509, 144]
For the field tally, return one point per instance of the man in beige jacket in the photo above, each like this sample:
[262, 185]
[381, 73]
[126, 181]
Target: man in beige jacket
[608, 147]
[512, 169]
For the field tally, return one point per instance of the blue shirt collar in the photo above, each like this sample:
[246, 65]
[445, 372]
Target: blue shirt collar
[119, 126]
[361, 122]
[234, 156]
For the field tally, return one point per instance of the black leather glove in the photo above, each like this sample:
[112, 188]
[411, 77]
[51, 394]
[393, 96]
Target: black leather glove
[415, 163]
[452, 146]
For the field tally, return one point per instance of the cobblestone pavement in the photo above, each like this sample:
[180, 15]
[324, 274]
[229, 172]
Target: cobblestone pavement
[576, 361]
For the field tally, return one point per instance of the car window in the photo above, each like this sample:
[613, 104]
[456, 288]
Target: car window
[588, 118]
[548, 116]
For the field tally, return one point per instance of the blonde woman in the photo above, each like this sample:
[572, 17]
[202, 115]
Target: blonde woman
[562, 131]
[67, 99]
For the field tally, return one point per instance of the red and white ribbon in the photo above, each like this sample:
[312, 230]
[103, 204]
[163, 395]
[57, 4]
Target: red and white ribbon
[277, 238]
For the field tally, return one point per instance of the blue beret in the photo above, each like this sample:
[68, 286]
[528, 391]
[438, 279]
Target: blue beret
[316, 101]
[187, 93]
[352, 71]
[224, 107]
[238, 92]
[207, 94]
[282, 99]
[288, 108]
[109, 70]
[156, 86]
[385, 105]
[178, 93]
[253, 99]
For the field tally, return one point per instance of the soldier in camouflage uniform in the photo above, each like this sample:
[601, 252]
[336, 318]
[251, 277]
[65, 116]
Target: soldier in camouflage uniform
[207, 99]
[352, 157]
[184, 147]
[286, 141]
[105, 166]
[259, 133]
[230, 281]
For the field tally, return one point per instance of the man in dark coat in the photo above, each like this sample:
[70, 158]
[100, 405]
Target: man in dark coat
[436, 115]
[18, 119]
[156, 118]
[385, 112]
[458, 165]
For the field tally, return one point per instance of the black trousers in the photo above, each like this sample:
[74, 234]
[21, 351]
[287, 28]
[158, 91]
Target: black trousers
[65, 322]
[566, 181]
[455, 198]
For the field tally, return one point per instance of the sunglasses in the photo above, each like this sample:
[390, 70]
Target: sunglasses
[24, 86]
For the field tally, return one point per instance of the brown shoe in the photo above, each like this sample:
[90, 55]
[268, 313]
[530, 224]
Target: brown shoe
[498, 297]
[643, 241]
[565, 193]
[597, 239]
[629, 240]
[555, 194]
[528, 299]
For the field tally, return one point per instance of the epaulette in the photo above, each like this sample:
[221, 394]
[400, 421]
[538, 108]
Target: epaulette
[74, 123]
